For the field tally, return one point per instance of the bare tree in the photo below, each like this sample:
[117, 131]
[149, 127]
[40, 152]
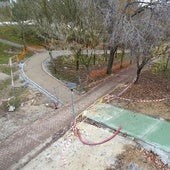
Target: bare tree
[115, 17]
[80, 25]
[135, 25]
[147, 32]
[5, 9]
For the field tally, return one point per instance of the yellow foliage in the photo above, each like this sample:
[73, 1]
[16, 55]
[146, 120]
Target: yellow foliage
[162, 49]
[101, 100]
[19, 57]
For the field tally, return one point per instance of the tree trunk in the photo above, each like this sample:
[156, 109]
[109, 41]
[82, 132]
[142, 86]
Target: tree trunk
[111, 59]
[140, 67]
[105, 53]
[131, 55]
[77, 63]
[167, 63]
[78, 53]
[138, 74]
[23, 40]
[94, 59]
[122, 57]
[116, 54]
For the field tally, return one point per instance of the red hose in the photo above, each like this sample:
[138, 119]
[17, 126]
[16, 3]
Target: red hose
[97, 143]
[55, 105]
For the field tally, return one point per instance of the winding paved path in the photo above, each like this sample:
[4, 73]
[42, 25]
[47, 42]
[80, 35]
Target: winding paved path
[31, 136]
[11, 43]
[36, 71]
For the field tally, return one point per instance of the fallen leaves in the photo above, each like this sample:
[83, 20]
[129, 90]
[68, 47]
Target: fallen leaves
[155, 159]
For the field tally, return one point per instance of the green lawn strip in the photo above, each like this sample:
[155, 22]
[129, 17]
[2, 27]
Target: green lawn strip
[10, 33]
[7, 70]
[4, 55]
[15, 93]
[13, 33]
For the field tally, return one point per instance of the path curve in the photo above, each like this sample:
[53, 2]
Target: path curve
[11, 43]
[37, 73]
[30, 136]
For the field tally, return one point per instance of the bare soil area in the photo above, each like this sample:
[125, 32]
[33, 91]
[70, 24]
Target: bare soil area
[151, 95]
[135, 157]
[143, 97]
[33, 105]
[86, 77]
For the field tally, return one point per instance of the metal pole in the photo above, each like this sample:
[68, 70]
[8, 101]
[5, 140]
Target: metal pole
[12, 78]
[72, 101]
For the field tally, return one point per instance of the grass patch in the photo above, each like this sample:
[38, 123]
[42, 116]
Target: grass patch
[14, 33]
[15, 93]
[16, 98]
[159, 68]
[10, 33]
[5, 83]
[7, 51]
[7, 69]
[16, 101]
[5, 54]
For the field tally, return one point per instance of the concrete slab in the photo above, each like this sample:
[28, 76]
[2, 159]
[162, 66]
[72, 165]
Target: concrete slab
[143, 127]
[69, 153]
[102, 112]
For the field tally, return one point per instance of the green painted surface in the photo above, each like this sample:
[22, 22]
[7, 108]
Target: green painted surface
[136, 125]
[103, 112]
[143, 127]
[160, 136]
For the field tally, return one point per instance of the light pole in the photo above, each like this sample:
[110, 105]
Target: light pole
[72, 86]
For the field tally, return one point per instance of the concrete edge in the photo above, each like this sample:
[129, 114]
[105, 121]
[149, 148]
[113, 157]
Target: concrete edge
[24, 76]
[164, 156]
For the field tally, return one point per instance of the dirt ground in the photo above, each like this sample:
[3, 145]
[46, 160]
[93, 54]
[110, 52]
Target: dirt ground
[135, 157]
[143, 97]
[35, 105]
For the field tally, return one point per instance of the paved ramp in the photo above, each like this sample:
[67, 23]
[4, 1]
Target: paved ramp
[148, 129]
